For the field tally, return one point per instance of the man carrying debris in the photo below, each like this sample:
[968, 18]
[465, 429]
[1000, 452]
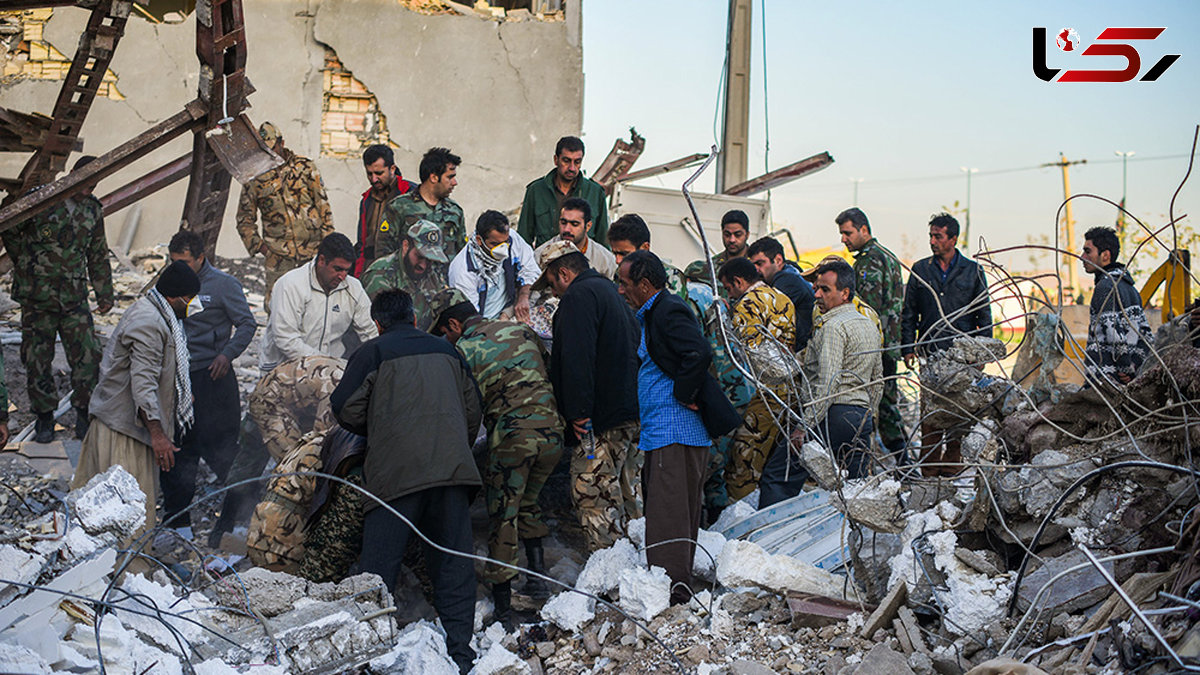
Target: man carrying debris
[144, 395]
[784, 276]
[316, 305]
[594, 371]
[216, 336]
[386, 184]
[496, 269]
[413, 397]
[765, 320]
[418, 268]
[1119, 336]
[681, 408]
[880, 285]
[290, 199]
[546, 196]
[843, 369]
[629, 233]
[524, 442]
[946, 297]
[574, 224]
[55, 256]
[430, 202]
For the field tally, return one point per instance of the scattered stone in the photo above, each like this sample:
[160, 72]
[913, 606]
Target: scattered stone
[882, 660]
[645, 592]
[744, 667]
[744, 563]
[886, 611]
[1075, 591]
[569, 610]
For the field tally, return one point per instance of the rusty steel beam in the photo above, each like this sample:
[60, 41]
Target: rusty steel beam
[146, 185]
[105, 165]
[619, 160]
[99, 40]
[673, 165]
[787, 174]
[14, 5]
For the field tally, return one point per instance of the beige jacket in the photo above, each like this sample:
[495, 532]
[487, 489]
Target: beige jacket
[137, 373]
[305, 320]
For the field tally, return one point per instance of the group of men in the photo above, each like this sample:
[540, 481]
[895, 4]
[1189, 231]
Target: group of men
[559, 337]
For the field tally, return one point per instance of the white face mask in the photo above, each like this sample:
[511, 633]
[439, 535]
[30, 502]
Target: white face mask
[500, 252]
[194, 307]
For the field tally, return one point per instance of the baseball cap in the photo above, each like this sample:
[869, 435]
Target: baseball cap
[268, 133]
[811, 273]
[444, 300]
[548, 253]
[428, 239]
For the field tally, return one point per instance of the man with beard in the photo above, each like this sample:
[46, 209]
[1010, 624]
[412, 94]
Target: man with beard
[386, 184]
[430, 201]
[545, 197]
[1119, 336]
[574, 226]
[496, 269]
[418, 269]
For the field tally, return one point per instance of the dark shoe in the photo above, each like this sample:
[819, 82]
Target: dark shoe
[44, 428]
[82, 422]
[502, 597]
[535, 587]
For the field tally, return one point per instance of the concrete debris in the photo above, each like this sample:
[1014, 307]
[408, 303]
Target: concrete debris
[500, 661]
[111, 503]
[569, 610]
[874, 502]
[645, 593]
[744, 563]
[602, 573]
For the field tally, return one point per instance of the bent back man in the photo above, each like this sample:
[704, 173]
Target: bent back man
[56, 255]
[784, 276]
[386, 184]
[413, 397]
[594, 371]
[682, 407]
[496, 269]
[431, 202]
[1119, 336]
[544, 197]
[291, 201]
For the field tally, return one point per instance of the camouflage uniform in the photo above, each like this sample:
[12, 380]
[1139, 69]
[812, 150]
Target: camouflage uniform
[54, 256]
[677, 283]
[404, 212]
[275, 539]
[606, 477]
[295, 215]
[880, 286]
[762, 311]
[390, 272]
[524, 432]
[334, 541]
[293, 399]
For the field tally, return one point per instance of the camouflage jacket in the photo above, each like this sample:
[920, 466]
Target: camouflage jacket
[880, 286]
[509, 361]
[389, 272]
[761, 309]
[404, 211]
[56, 253]
[3, 392]
[294, 208]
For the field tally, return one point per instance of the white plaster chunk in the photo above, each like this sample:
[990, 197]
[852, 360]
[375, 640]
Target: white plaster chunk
[737, 511]
[150, 596]
[18, 566]
[874, 502]
[499, 661]
[637, 532]
[18, 659]
[569, 610]
[744, 563]
[709, 545]
[645, 593]
[816, 458]
[602, 573]
[111, 502]
[420, 648]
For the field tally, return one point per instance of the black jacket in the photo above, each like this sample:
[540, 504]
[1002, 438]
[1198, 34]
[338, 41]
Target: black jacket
[678, 347]
[412, 395]
[963, 297]
[789, 282]
[594, 363]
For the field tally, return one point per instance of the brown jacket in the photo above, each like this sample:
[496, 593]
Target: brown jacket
[137, 372]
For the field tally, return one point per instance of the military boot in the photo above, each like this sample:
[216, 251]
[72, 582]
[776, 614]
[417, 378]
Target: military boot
[536, 587]
[81, 422]
[44, 428]
[502, 597]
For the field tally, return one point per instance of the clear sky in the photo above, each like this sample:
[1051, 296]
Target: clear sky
[903, 95]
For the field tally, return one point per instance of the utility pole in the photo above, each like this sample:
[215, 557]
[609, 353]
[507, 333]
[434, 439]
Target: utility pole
[966, 239]
[856, 181]
[1069, 223]
[733, 160]
[1121, 218]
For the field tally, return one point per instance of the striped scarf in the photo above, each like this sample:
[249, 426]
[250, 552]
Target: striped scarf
[183, 380]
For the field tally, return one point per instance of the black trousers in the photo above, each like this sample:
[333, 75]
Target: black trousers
[213, 438]
[442, 514]
[846, 431]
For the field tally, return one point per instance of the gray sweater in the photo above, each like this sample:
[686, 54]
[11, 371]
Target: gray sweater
[225, 309]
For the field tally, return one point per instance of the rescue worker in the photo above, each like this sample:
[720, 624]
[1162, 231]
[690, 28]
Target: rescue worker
[431, 202]
[386, 184]
[545, 196]
[418, 268]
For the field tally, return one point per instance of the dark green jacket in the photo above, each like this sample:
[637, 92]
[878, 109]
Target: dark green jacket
[539, 211]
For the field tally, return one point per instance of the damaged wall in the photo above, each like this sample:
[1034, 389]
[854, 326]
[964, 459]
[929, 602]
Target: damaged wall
[498, 93]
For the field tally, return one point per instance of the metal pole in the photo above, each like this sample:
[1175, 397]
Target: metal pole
[966, 238]
[1124, 175]
[1072, 263]
[733, 161]
[856, 181]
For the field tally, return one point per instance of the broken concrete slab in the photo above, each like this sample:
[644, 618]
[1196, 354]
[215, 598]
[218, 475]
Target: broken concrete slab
[883, 660]
[886, 611]
[111, 502]
[744, 563]
[602, 573]
[569, 610]
[1079, 589]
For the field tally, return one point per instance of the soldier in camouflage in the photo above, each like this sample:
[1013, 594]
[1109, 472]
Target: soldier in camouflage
[56, 255]
[418, 268]
[525, 439]
[880, 286]
[430, 201]
[294, 208]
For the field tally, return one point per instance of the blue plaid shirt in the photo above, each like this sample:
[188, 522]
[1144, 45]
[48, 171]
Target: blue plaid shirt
[664, 419]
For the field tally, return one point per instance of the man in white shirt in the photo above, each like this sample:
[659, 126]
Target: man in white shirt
[496, 269]
[574, 224]
[316, 305]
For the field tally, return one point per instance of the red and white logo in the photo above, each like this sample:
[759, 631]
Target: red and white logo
[1110, 42]
[1068, 39]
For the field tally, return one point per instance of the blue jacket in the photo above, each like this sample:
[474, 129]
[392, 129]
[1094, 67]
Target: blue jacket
[225, 326]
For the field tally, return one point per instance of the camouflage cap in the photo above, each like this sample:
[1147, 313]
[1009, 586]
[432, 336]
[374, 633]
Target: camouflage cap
[268, 133]
[428, 239]
[444, 300]
[698, 270]
[548, 253]
[811, 273]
